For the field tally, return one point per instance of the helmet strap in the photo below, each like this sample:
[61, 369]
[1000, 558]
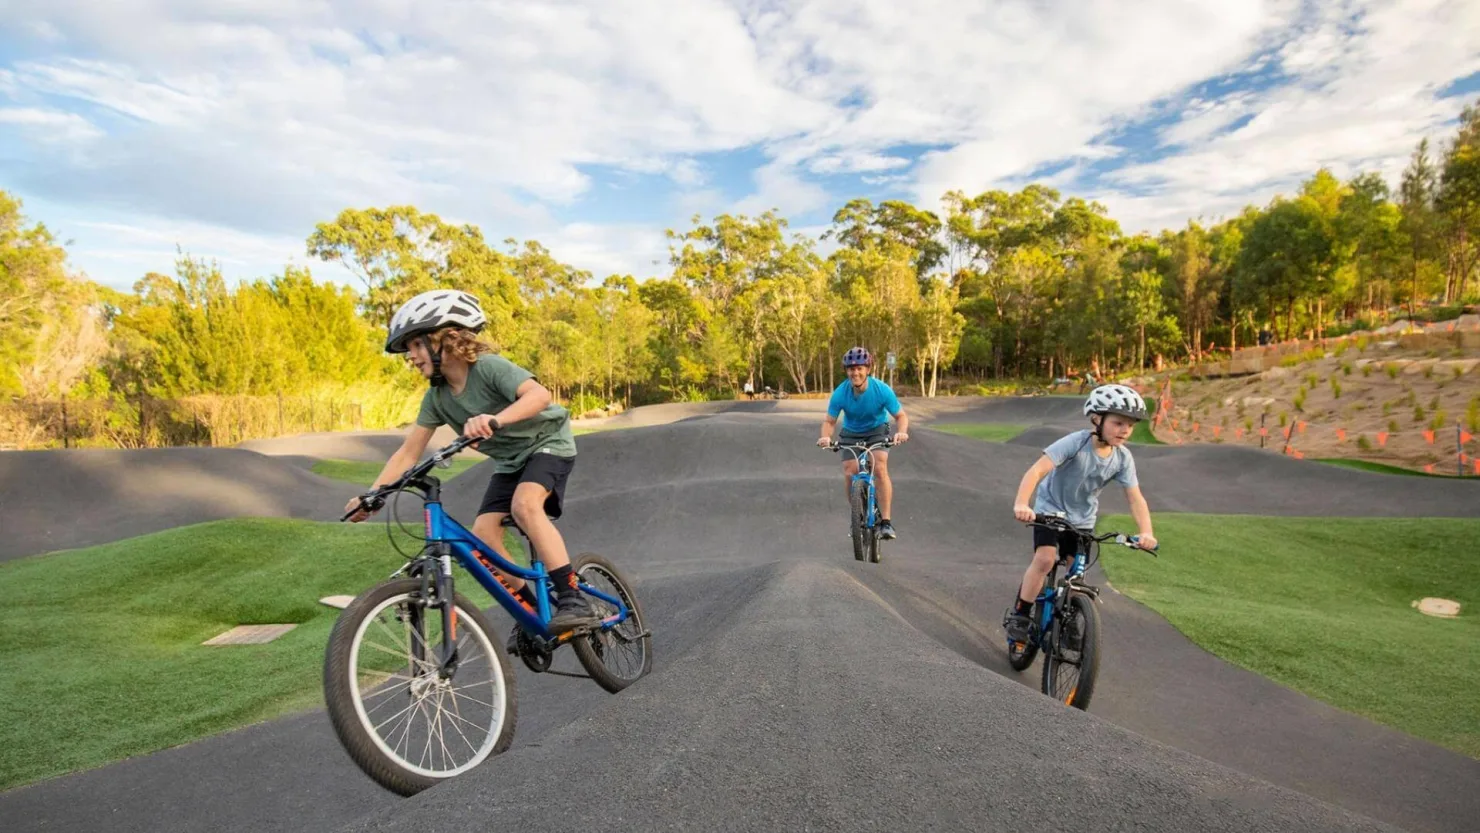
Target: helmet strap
[437, 378]
[1099, 425]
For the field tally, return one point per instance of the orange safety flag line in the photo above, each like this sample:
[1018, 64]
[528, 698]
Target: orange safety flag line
[1382, 439]
[1300, 426]
[1341, 435]
[1429, 435]
[1465, 437]
[1263, 432]
[1429, 468]
[1196, 428]
[1299, 455]
[1217, 429]
[1238, 433]
[1477, 466]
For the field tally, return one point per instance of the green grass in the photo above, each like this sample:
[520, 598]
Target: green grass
[1142, 432]
[1381, 468]
[364, 473]
[102, 657]
[1324, 606]
[989, 431]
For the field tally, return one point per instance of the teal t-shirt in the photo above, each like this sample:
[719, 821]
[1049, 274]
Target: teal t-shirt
[862, 413]
[493, 385]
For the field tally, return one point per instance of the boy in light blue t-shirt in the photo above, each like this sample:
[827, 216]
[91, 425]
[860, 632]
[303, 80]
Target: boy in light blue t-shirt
[1068, 479]
[866, 405]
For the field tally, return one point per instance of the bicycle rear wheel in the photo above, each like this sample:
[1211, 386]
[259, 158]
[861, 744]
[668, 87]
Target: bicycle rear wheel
[619, 656]
[404, 723]
[1071, 657]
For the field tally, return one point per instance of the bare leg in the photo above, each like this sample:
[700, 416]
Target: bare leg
[1043, 559]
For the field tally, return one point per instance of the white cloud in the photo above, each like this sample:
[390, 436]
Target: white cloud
[50, 124]
[265, 118]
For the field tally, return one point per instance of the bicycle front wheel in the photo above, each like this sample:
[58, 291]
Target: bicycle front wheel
[403, 720]
[1071, 657]
[856, 511]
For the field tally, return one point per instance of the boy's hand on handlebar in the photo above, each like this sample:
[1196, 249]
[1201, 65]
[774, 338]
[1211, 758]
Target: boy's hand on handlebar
[824, 442]
[356, 510]
[901, 437]
[1146, 541]
[1023, 512]
[481, 426]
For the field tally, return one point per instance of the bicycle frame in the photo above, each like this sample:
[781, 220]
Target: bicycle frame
[1054, 591]
[864, 455]
[480, 560]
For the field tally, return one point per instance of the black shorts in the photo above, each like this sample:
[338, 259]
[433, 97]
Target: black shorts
[1066, 542]
[547, 470]
[876, 435]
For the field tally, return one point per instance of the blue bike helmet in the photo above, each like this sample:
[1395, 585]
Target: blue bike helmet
[857, 356]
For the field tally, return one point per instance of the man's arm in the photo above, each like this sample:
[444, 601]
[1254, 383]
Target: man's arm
[825, 435]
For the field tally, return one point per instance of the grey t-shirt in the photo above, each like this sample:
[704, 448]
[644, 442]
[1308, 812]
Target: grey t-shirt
[493, 385]
[1079, 475]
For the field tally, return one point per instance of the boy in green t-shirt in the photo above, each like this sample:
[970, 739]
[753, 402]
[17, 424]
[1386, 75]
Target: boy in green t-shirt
[481, 394]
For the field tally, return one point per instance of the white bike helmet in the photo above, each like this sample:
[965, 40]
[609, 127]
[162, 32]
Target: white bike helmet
[1115, 399]
[431, 311]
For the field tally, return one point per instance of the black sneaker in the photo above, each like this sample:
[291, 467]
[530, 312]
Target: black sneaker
[886, 531]
[1017, 625]
[571, 612]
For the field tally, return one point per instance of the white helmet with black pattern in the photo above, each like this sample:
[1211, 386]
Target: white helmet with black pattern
[431, 311]
[1115, 399]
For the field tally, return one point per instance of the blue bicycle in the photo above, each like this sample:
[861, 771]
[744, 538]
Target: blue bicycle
[863, 508]
[1065, 622]
[417, 686]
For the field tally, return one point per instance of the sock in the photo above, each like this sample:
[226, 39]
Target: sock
[1022, 607]
[565, 580]
[526, 593]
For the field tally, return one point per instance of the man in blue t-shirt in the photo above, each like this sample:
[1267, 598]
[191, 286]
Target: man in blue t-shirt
[866, 404]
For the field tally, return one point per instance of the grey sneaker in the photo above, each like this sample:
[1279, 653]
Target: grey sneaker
[886, 531]
[571, 611]
[1017, 625]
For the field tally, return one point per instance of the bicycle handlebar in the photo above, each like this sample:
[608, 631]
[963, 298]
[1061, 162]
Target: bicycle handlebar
[837, 446]
[1059, 523]
[374, 499]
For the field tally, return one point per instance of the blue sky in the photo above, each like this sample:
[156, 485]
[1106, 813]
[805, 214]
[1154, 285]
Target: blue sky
[228, 129]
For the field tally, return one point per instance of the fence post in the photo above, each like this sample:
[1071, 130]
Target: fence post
[1459, 449]
[143, 425]
[195, 417]
[66, 431]
[1262, 431]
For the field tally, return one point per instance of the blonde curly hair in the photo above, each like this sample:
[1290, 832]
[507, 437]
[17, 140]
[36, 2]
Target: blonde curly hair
[456, 341]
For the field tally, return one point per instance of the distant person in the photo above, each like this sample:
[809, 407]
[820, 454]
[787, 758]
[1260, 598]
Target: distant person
[866, 404]
[1265, 337]
[1068, 478]
[482, 394]
[749, 389]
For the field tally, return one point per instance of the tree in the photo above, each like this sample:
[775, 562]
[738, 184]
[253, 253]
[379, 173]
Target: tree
[1459, 202]
[938, 328]
[860, 223]
[51, 327]
[1419, 222]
